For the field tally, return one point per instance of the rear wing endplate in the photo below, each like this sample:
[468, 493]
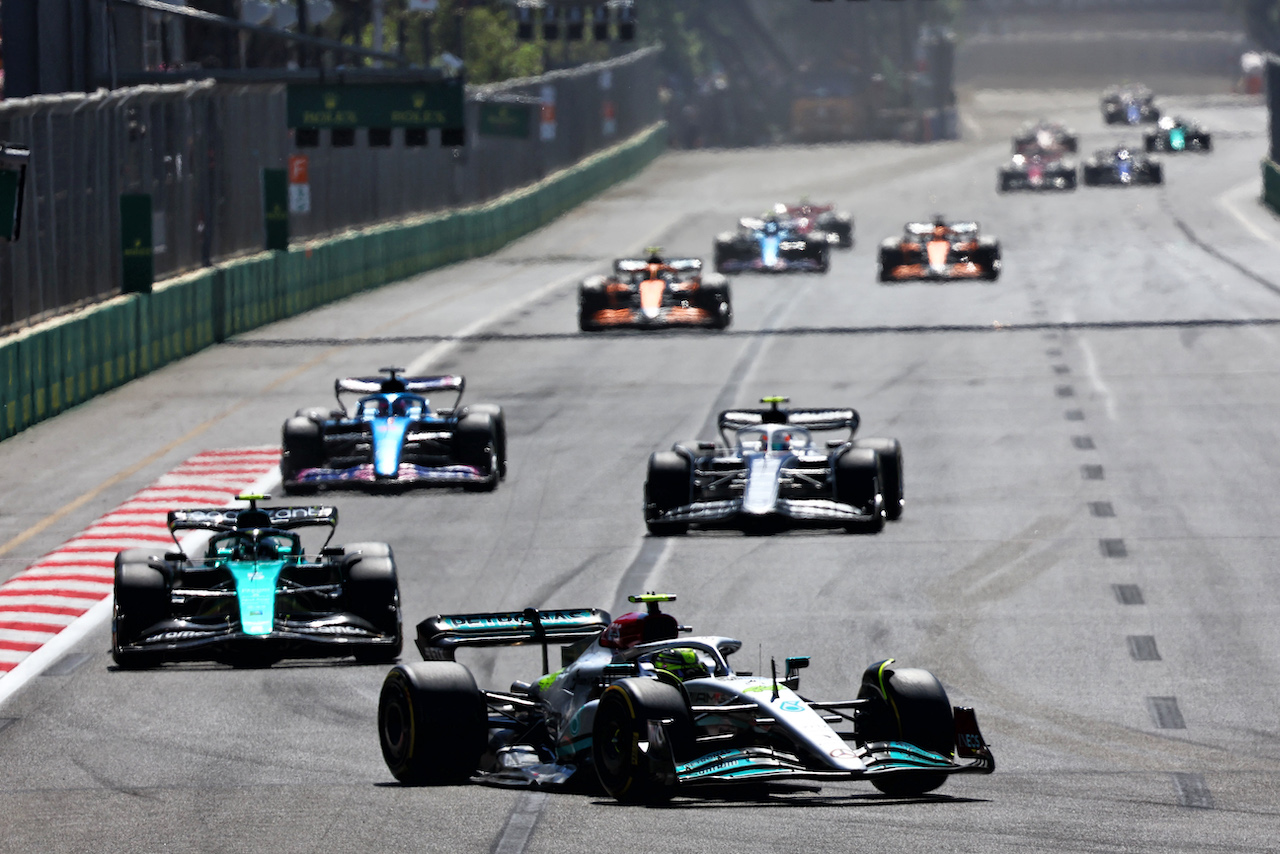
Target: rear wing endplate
[447, 632]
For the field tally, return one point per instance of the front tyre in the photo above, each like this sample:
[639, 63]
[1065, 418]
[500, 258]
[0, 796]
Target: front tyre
[632, 766]
[890, 453]
[668, 486]
[859, 483]
[476, 445]
[142, 599]
[907, 704]
[432, 723]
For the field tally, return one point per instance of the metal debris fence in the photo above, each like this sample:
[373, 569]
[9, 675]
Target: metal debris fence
[199, 150]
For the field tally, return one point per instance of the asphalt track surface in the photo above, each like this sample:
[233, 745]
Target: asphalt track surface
[1087, 554]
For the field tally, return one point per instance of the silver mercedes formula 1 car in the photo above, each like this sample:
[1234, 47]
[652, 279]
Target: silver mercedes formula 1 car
[645, 714]
[772, 472]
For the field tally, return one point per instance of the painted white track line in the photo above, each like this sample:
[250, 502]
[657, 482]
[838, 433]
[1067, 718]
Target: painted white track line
[57, 601]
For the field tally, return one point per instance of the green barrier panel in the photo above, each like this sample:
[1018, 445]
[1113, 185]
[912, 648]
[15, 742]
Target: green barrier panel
[97, 346]
[1271, 185]
[10, 387]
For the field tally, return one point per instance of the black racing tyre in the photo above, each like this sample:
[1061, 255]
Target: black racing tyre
[859, 482]
[1070, 180]
[824, 259]
[669, 485]
[721, 254]
[1071, 144]
[1206, 143]
[499, 430]
[372, 592]
[626, 707]
[887, 260]
[907, 704]
[1157, 173]
[1002, 184]
[142, 599]
[432, 723]
[1090, 177]
[1149, 142]
[476, 444]
[303, 448]
[890, 452]
[316, 413]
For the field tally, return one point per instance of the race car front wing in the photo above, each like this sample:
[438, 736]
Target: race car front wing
[407, 473]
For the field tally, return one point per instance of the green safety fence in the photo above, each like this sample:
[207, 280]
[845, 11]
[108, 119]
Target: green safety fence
[66, 361]
[1271, 185]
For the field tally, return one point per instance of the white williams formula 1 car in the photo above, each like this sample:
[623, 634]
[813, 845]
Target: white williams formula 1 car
[647, 714]
[773, 473]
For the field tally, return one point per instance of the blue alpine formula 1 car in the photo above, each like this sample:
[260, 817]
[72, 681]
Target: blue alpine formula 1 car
[393, 436]
[644, 713]
[255, 595]
[772, 244]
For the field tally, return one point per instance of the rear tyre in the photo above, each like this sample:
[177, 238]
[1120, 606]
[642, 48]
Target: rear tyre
[890, 452]
[432, 723]
[627, 772]
[910, 705]
[141, 600]
[1157, 173]
[669, 485]
[859, 483]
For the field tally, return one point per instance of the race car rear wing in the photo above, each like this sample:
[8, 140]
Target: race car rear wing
[240, 518]
[811, 419]
[638, 265]
[446, 632]
[413, 385]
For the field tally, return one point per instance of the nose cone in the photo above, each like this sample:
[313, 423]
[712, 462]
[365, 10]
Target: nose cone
[651, 291]
[388, 439]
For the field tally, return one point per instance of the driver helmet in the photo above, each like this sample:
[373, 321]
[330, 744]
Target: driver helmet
[780, 441]
[683, 663]
[254, 550]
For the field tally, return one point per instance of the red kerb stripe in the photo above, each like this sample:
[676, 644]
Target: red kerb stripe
[63, 610]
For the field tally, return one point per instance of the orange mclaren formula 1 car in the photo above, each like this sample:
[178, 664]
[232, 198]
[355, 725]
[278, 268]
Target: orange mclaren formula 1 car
[653, 292]
[939, 250]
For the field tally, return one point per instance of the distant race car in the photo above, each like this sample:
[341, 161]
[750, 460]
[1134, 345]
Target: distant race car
[1045, 137]
[771, 472]
[645, 714]
[1178, 134]
[255, 596]
[392, 436]
[1129, 105]
[939, 250]
[1037, 172]
[771, 244]
[806, 218]
[1121, 166]
[651, 292]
